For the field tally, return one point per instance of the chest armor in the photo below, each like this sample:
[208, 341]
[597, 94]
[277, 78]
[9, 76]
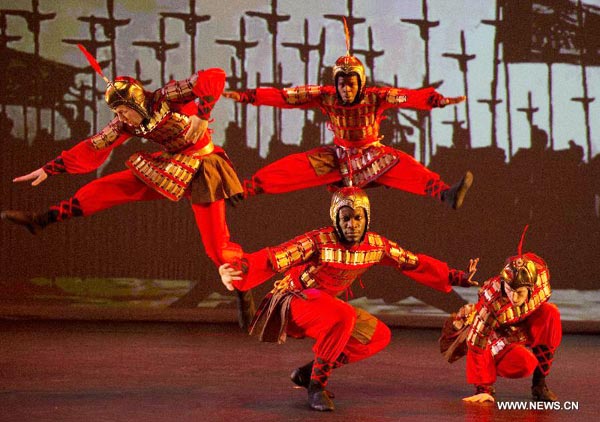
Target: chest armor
[337, 267]
[167, 128]
[357, 123]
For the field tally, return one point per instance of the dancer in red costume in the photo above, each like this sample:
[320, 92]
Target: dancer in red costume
[319, 266]
[511, 332]
[357, 157]
[175, 117]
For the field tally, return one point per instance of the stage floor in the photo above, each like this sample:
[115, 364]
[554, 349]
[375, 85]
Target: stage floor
[160, 371]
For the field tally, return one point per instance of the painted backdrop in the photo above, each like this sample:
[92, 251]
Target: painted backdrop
[529, 132]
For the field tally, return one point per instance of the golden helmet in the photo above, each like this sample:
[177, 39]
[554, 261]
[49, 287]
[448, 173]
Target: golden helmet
[128, 92]
[347, 66]
[352, 197]
[521, 270]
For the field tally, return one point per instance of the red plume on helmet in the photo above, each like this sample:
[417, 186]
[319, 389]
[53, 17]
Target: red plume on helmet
[347, 35]
[93, 63]
[522, 269]
[123, 91]
[520, 248]
[350, 65]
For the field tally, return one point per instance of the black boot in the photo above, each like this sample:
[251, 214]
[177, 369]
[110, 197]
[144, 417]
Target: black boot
[539, 389]
[455, 195]
[245, 307]
[301, 377]
[318, 399]
[31, 221]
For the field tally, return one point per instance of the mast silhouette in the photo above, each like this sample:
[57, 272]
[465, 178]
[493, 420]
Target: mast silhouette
[34, 20]
[109, 27]
[4, 40]
[304, 50]
[273, 19]
[529, 111]
[463, 59]
[160, 48]
[190, 22]
[351, 21]
[92, 45]
[240, 46]
[370, 54]
[504, 25]
[424, 118]
[585, 99]
[493, 101]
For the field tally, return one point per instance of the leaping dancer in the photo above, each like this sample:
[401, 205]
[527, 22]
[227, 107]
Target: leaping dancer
[357, 156]
[189, 166]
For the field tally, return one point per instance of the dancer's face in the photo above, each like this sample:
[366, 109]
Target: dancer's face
[128, 115]
[352, 223]
[516, 296]
[347, 87]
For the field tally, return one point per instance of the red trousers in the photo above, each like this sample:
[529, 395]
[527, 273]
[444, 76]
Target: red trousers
[123, 187]
[330, 322]
[543, 328]
[296, 172]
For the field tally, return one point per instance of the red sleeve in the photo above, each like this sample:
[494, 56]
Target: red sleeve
[256, 268]
[418, 99]
[83, 158]
[276, 98]
[421, 268]
[208, 88]
[89, 154]
[430, 272]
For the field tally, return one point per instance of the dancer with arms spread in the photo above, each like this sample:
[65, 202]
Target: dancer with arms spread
[319, 266]
[357, 156]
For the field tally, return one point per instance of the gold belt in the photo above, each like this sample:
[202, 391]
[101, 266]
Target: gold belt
[205, 150]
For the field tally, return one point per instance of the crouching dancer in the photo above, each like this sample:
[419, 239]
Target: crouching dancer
[512, 331]
[319, 266]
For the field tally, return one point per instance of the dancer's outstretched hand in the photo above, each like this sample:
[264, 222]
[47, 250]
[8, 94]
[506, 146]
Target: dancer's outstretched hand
[480, 398]
[472, 271]
[229, 275]
[232, 95]
[452, 100]
[38, 176]
[197, 128]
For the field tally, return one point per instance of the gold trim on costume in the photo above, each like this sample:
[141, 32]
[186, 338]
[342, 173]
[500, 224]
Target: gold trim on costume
[291, 253]
[395, 96]
[344, 256]
[301, 94]
[107, 136]
[168, 174]
[359, 167]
